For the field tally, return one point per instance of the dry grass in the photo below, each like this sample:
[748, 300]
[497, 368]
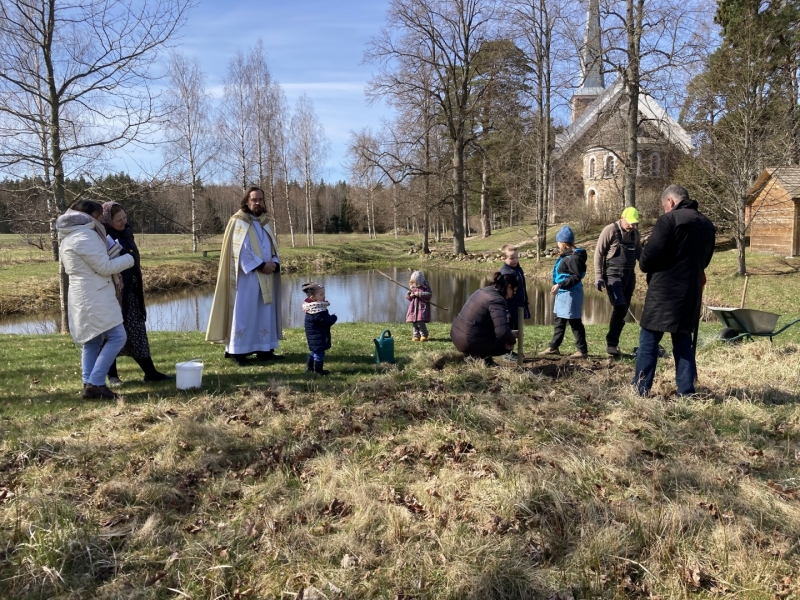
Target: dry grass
[443, 479]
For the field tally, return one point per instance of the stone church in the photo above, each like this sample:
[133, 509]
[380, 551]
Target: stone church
[588, 159]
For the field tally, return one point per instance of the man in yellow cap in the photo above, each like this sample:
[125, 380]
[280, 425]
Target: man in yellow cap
[618, 249]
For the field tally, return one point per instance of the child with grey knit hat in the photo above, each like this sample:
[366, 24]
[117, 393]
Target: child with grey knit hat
[318, 324]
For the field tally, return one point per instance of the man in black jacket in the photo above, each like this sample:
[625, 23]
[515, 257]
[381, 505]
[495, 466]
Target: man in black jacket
[674, 258]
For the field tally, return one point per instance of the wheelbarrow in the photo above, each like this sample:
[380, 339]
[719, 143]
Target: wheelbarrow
[747, 323]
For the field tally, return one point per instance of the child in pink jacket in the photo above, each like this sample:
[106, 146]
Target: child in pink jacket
[419, 308]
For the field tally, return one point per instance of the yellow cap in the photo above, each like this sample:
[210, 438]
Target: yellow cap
[631, 215]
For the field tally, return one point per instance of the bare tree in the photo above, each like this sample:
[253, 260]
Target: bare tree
[191, 143]
[282, 141]
[646, 43]
[74, 85]
[543, 29]
[310, 149]
[442, 37]
[237, 133]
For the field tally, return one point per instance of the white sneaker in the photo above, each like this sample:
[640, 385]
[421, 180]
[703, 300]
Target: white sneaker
[115, 381]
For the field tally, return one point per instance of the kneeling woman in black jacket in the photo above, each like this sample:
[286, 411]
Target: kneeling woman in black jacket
[318, 326]
[481, 329]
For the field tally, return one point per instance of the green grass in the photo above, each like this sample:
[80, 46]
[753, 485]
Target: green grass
[433, 478]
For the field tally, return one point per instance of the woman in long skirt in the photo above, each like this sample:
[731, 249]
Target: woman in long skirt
[133, 309]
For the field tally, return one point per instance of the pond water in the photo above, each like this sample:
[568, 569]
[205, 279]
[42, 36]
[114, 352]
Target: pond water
[363, 296]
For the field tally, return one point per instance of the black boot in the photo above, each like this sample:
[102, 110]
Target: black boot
[267, 356]
[241, 359]
[150, 372]
[309, 363]
[318, 364]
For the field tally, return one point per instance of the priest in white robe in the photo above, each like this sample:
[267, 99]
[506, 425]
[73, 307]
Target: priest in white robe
[246, 310]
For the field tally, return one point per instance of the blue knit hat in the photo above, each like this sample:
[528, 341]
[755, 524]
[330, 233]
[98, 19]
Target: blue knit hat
[565, 234]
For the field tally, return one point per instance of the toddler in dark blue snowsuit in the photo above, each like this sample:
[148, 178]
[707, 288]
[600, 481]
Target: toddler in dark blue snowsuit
[318, 326]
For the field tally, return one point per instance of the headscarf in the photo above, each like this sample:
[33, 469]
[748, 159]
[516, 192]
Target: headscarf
[418, 278]
[132, 277]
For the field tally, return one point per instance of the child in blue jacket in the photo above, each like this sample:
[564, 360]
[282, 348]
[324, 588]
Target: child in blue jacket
[318, 326]
[568, 273]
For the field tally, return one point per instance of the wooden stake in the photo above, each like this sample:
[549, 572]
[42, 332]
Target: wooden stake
[744, 291]
[520, 335]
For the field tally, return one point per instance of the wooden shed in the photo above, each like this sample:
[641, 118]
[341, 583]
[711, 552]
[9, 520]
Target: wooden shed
[773, 209]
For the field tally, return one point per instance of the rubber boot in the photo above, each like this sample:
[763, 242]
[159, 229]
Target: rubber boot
[318, 364]
[150, 372]
[309, 363]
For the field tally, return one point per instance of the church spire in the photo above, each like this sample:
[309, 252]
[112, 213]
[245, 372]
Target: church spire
[592, 82]
[592, 55]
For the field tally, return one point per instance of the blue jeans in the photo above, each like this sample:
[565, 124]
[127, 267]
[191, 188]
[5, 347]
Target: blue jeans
[99, 353]
[647, 357]
[318, 356]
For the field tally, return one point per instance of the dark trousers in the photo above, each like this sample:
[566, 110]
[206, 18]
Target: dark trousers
[620, 291]
[577, 330]
[647, 358]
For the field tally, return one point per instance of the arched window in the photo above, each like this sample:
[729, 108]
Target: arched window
[610, 166]
[591, 199]
[655, 165]
[592, 168]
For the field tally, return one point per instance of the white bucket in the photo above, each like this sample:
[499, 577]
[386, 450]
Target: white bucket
[189, 374]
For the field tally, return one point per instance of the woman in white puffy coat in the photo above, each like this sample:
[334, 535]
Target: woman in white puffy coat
[94, 311]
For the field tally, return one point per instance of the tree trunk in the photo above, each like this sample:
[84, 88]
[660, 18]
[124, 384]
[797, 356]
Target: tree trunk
[425, 246]
[741, 229]
[458, 197]
[194, 213]
[634, 15]
[288, 207]
[486, 224]
[63, 297]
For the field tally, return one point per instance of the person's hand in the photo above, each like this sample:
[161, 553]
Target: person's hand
[600, 284]
[269, 268]
[515, 333]
[554, 289]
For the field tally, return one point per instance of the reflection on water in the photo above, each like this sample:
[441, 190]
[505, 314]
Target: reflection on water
[362, 296]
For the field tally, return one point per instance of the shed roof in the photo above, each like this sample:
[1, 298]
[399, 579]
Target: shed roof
[786, 177]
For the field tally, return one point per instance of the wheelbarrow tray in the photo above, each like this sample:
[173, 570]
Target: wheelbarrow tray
[746, 320]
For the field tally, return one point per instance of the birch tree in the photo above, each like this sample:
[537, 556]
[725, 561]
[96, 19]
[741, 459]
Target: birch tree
[442, 36]
[310, 149]
[191, 141]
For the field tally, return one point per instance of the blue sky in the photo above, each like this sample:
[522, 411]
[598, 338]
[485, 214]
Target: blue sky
[312, 46]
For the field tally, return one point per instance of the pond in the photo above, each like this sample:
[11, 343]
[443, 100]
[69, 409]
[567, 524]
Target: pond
[363, 296]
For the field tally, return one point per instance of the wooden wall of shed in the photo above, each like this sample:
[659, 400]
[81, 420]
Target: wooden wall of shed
[772, 221]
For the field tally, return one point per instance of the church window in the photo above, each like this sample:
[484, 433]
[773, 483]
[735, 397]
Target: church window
[591, 200]
[592, 168]
[655, 165]
[610, 167]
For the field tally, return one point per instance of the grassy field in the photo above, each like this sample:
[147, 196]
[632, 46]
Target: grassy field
[434, 478]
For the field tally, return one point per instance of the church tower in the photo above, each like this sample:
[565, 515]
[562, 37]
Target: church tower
[592, 82]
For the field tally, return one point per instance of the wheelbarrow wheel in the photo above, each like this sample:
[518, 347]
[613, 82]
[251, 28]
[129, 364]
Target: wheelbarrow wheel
[728, 334]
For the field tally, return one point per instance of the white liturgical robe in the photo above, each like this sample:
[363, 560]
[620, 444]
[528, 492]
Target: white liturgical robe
[253, 327]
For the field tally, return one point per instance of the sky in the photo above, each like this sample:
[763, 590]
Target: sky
[312, 46]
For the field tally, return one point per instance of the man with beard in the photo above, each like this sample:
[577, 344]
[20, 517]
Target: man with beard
[246, 311]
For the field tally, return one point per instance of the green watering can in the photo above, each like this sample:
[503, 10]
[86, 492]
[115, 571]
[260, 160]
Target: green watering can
[384, 347]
